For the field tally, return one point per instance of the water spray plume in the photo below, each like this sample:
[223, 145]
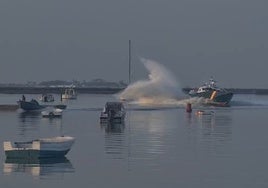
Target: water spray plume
[160, 87]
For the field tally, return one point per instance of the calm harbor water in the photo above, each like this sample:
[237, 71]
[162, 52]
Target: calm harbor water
[156, 147]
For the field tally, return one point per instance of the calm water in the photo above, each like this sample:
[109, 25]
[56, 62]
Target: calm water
[157, 147]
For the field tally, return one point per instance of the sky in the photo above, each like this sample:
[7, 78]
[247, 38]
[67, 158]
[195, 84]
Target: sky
[88, 39]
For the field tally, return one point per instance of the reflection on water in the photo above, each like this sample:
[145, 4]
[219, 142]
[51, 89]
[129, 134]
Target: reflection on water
[38, 167]
[150, 137]
[52, 121]
[144, 140]
[113, 127]
[31, 116]
[147, 137]
[28, 121]
[214, 131]
[114, 140]
[228, 149]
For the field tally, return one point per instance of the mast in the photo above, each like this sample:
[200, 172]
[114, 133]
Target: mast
[129, 61]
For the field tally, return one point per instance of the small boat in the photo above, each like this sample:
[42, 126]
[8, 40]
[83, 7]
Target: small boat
[52, 113]
[69, 93]
[214, 95]
[30, 105]
[47, 98]
[113, 112]
[40, 148]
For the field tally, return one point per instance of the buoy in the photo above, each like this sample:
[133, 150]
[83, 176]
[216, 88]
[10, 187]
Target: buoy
[189, 107]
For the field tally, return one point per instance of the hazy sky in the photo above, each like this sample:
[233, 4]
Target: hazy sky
[88, 39]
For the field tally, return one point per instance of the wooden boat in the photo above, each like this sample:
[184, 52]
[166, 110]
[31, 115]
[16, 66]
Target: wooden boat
[40, 148]
[113, 112]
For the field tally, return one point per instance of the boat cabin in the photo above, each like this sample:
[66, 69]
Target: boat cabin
[47, 98]
[113, 111]
[69, 93]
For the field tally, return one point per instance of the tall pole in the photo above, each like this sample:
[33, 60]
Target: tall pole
[129, 61]
[129, 82]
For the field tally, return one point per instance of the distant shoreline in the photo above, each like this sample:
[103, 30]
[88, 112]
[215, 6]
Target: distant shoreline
[102, 90]
[58, 90]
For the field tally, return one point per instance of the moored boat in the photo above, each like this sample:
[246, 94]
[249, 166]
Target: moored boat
[47, 98]
[39, 148]
[214, 95]
[52, 113]
[69, 93]
[113, 112]
[30, 105]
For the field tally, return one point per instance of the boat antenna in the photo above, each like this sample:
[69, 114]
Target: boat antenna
[129, 61]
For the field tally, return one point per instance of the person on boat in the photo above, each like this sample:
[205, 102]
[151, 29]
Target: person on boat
[45, 98]
[23, 98]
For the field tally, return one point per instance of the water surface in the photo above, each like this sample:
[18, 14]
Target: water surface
[156, 147]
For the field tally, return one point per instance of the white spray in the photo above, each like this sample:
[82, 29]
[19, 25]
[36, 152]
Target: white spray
[161, 86]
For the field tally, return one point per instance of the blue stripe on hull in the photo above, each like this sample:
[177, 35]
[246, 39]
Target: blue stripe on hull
[35, 153]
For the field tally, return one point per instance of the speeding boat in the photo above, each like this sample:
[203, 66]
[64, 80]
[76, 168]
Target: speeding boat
[213, 94]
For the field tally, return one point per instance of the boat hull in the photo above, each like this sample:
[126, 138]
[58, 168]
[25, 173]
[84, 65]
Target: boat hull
[218, 98]
[35, 153]
[41, 148]
[69, 96]
[30, 106]
[56, 113]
